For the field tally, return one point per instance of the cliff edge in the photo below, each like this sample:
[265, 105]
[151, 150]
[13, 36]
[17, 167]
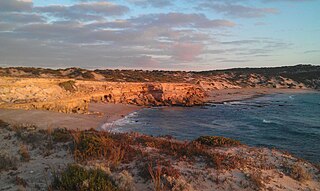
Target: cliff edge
[73, 96]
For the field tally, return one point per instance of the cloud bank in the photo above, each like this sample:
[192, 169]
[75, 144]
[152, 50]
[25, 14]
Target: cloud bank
[133, 34]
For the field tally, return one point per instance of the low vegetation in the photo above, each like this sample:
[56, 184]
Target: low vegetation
[78, 178]
[257, 180]
[7, 162]
[117, 162]
[297, 172]
[216, 141]
[68, 85]
[24, 153]
[61, 135]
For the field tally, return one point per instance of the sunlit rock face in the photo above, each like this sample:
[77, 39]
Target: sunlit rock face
[71, 90]
[73, 96]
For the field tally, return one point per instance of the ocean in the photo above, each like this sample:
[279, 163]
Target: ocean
[289, 122]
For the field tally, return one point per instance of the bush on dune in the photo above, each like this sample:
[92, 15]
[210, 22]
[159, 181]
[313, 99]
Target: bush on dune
[61, 135]
[90, 145]
[78, 178]
[7, 162]
[68, 85]
[216, 141]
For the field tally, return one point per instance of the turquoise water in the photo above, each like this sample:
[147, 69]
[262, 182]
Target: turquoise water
[289, 122]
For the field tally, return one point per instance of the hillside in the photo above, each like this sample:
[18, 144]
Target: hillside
[243, 77]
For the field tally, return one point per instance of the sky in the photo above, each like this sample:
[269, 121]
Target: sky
[159, 34]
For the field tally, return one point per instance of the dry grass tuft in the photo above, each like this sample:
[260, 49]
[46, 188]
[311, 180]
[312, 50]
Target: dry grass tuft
[23, 151]
[297, 172]
[21, 182]
[257, 180]
[156, 174]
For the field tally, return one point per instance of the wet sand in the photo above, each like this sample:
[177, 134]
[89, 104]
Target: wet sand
[100, 113]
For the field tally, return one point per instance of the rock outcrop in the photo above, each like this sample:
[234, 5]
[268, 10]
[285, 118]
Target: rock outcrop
[73, 96]
[146, 94]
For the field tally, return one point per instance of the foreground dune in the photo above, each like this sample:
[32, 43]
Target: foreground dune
[82, 160]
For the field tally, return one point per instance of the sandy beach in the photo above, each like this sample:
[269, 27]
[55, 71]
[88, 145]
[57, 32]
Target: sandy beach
[100, 114]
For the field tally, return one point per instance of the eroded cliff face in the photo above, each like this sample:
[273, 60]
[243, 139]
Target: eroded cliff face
[73, 96]
[229, 81]
[145, 94]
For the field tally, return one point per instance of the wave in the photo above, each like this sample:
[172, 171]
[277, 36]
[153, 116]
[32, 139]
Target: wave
[266, 121]
[234, 103]
[249, 104]
[291, 97]
[128, 119]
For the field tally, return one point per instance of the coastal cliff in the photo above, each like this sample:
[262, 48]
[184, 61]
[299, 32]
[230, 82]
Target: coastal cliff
[71, 90]
[73, 96]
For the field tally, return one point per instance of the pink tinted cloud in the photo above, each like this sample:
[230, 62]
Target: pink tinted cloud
[187, 51]
[146, 61]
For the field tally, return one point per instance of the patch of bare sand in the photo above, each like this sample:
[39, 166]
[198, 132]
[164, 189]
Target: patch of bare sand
[37, 172]
[224, 95]
[100, 113]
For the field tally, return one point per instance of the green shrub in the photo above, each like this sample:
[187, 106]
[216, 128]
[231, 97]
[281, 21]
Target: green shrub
[94, 145]
[216, 141]
[7, 162]
[68, 85]
[61, 135]
[87, 75]
[78, 178]
[3, 124]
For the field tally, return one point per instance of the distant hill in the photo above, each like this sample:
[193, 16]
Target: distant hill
[286, 76]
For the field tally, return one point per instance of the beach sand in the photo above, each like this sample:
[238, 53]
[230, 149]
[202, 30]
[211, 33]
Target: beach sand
[100, 113]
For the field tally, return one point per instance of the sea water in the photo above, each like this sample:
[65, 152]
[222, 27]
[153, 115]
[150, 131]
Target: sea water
[289, 122]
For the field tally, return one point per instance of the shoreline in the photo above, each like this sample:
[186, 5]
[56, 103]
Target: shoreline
[104, 113]
[100, 113]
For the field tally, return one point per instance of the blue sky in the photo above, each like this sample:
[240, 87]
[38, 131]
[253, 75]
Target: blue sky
[162, 34]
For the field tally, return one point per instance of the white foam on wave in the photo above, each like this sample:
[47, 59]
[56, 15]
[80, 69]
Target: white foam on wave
[128, 119]
[291, 97]
[266, 121]
[234, 103]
